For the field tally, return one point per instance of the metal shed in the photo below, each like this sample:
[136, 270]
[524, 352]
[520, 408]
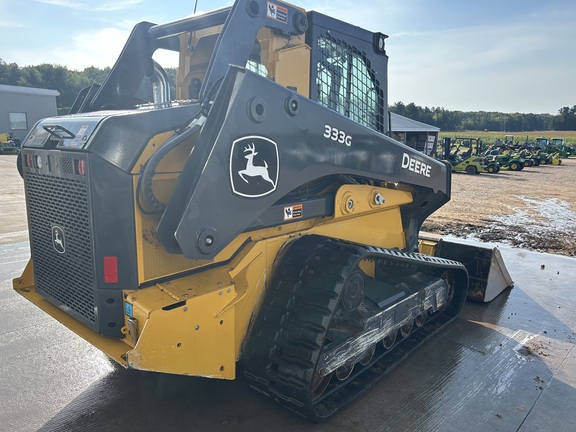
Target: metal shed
[420, 136]
[22, 107]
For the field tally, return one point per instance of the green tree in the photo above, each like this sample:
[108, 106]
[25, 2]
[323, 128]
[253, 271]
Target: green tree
[9, 73]
[566, 119]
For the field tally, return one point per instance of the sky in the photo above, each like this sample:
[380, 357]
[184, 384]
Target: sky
[468, 55]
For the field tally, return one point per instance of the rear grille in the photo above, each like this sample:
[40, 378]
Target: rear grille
[67, 277]
[67, 165]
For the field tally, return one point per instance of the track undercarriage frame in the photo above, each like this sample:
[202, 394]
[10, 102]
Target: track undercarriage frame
[327, 331]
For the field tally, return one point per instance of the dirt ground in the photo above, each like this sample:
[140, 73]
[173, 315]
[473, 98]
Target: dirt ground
[534, 208]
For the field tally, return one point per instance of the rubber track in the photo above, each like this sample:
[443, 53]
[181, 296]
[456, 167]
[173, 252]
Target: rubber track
[288, 334]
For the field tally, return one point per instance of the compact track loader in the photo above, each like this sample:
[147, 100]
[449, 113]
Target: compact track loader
[261, 216]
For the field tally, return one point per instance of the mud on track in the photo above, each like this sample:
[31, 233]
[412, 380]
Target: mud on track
[534, 208]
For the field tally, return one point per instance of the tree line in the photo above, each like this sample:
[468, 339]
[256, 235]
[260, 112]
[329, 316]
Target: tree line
[70, 82]
[67, 82]
[489, 121]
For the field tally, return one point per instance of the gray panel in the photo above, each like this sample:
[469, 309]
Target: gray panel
[405, 124]
[35, 106]
[206, 194]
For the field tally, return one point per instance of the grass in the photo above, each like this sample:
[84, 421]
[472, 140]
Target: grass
[490, 137]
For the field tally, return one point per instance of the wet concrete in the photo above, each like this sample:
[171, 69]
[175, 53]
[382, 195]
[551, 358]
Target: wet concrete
[505, 366]
[13, 226]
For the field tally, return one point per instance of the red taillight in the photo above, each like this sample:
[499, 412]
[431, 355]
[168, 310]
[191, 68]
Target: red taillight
[110, 269]
[29, 161]
[81, 167]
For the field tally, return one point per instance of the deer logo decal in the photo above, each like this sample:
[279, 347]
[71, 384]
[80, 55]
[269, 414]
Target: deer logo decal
[254, 166]
[58, 239]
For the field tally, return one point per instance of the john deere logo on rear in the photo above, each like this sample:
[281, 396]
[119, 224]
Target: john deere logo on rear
[254, 166]
[58, 239]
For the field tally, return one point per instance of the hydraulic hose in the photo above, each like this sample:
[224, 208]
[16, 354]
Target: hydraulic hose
[145, 180]
[181, 135]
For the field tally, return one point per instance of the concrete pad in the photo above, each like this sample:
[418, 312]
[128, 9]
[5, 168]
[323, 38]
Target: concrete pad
[14, 226]
[509, 365]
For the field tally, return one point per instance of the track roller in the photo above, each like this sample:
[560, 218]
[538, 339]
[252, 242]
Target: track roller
[327, 331]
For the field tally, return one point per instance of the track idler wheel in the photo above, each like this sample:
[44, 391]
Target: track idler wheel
[319, 385]
[353, 291]
[406, 329]
[368, 356]
[421, 319]
[343, 372]
[389, 340]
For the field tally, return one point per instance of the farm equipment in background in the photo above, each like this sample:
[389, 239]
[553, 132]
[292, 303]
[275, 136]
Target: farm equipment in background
[463, 161]
[541, 143]
[557, 145]
[506, 159]
[490, 166]
[9, 143]
[543, 157]
[526, 155]
[509, 140]
[547, 153]
[261, 216]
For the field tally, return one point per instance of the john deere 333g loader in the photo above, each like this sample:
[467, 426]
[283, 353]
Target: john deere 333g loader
[260, 215]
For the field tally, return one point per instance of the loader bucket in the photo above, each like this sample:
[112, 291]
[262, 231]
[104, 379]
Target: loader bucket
[487, 272]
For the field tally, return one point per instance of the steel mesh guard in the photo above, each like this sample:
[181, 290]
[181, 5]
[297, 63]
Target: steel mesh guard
[66, 277]
[346, 83]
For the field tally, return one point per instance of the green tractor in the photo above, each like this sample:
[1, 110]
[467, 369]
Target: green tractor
[506, 159]
[547, 152]
[529, 159]
[564, 150]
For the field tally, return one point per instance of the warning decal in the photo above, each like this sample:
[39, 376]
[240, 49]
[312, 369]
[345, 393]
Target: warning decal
[293, 212]
[80, 137]
[277, 12]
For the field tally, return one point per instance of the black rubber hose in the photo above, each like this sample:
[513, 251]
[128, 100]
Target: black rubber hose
[150, 168]
[181, 135]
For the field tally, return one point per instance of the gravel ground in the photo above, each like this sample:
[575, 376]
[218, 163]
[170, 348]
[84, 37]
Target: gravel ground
[534, 208]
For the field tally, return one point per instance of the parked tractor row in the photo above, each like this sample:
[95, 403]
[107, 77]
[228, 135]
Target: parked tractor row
[472, 156]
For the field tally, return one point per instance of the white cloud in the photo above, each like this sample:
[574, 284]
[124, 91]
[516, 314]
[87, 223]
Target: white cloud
[491, 68]
[524, 63]
[99, 48]
[9, 24]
